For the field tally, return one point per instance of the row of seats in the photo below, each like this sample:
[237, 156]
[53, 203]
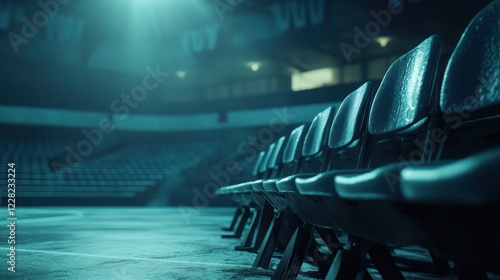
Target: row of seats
[128, 175]
[404, 163]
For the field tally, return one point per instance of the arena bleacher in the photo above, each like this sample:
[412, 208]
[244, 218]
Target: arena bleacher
[385, 175]
[283, 139]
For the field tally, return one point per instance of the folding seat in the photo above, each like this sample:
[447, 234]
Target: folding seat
[286, 161]
[313, 151]
[265, 211]
[256, 172]
[238, 197]
[308, 157]
[402, 113]
[344, 153]
[344, 141]
[289, 165]
[242, 194]
[457, 218]
[337, 145]
[459, 200]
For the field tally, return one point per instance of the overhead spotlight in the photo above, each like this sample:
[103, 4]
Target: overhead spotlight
[181, 74]
[255, 67]
[383, 41]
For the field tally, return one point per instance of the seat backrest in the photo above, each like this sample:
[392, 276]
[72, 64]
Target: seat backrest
[315, 151]
[258, 161]
[350, 121]
[405, 96]
[294, 144]
[317, 135]
[347, 139]
[292, 153]
[472, 76]
[263, 165]
[470, 93]
[405, 106]
[274, 162]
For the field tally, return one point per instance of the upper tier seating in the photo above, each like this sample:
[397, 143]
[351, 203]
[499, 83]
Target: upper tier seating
[126, 175]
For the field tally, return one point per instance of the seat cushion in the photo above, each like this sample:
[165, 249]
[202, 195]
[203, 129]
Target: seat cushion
[257, 185]
[270, 185]
[369, 206]
[222, 191]
[287, 184]
[245, 187]
[382, 184]
[472, 181]
[321, 184]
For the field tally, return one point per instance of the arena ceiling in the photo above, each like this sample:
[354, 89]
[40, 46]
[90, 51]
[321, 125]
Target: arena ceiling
[67, 45]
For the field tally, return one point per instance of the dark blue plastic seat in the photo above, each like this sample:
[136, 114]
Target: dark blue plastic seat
[344, 143]
[313, 150]
[289, 165]
[227, 190]
[403, 112]
[459, 201]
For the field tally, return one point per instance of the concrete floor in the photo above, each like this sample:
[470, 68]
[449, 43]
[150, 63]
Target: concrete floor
[123, 243]
[128, 243]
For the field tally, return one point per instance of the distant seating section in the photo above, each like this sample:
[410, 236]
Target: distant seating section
[130, 174]
[407, 163]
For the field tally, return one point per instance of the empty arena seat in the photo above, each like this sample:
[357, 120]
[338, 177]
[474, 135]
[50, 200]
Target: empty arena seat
[290, 164]
[128, 175]
[470, 182]
[310, 159]
[246, 195]
[255, 172]
[458, 200]
[458, 204]
[347, 138]
[401, 111]
[314, 149]
[274, 164]
[244, 191]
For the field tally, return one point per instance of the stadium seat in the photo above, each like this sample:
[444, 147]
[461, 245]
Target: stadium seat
[401, 116]
[290, 164]
[265, 210]
[120, 177]
[313, 151]
[346, 141]
[401, 113]
[458, 200]
[243, 194]
[287, 162]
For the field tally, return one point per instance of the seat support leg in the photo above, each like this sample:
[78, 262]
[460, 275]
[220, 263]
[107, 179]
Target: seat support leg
[350, 263]
[241, 224]
[384, 262]
[290, 263]
[254, 223]
[236, 216]
[441, 264]
[268, 245]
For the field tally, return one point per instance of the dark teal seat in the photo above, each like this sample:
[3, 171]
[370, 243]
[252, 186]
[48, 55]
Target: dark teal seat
[459, 202]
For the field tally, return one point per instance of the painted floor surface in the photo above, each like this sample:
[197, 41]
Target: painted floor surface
[130, 243]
